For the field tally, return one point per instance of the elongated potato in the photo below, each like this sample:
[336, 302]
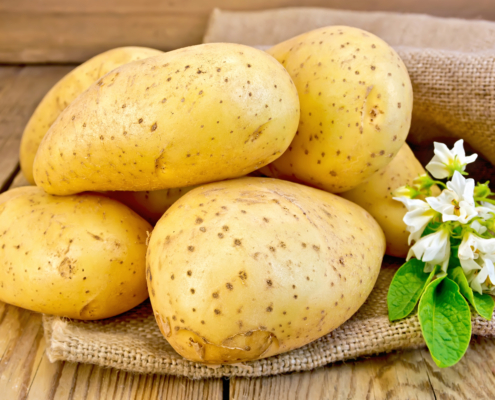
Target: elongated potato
[65, 91]
[356, 105]
[253, 267]
[376, 198]
[199, 114]
[80, 256]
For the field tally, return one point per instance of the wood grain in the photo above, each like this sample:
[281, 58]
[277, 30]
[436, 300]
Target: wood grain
[399, 375]
[72, 31]
[26, 372]
[21, 89]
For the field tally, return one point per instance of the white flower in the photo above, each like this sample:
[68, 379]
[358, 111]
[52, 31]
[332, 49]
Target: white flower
[488, 287]
[418, 216]
[476, 256]
[474, 248]
[433, 249]
[478, 280]
[404, 191]
[486, 210]
[456, 203]
[478, 228]
[446, 161]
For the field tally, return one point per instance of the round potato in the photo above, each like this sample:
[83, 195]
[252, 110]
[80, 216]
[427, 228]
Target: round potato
[194, 115]
[9, 194]
[253, 267]
[150, 204]
[65, 91]
[375, 196]
[80, 256]
[356, 104]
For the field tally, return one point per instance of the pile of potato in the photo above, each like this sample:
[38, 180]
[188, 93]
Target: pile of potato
[237, 268]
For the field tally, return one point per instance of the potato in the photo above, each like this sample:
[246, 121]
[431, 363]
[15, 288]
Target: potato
[5, 196]
[80, 256]
[65, 91]
[150, 204]
[199, 114]
[376, 198]
[356, 104]
[253, 267]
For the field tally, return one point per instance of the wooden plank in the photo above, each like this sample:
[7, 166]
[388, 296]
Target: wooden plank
[73, 31]
[457, 8]
[26, 372]
[20, 92]
[39, 37]
[472, 378]
[398, 375]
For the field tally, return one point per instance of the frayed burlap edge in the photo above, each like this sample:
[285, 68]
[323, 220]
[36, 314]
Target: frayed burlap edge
[133, 342]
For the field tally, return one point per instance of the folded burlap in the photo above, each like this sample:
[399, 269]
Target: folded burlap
[452, 67]
[133, 342]
[451, 62]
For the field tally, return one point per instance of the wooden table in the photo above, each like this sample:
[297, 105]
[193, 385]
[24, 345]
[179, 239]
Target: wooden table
[26, 373]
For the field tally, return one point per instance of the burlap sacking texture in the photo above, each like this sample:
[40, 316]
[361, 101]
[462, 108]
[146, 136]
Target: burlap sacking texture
[452, 67]
[133, 342]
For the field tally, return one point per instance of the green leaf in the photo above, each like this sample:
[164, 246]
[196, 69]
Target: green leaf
[406, 288]
[432, 227]
[482, 303]
[445, 320]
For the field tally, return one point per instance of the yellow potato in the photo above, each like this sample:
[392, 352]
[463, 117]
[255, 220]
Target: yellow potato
[356, 104]
[80, 256]
[65, 91]
[9, 194]
[376, 198]
[150, 204]
[249, 268]
[199, 114]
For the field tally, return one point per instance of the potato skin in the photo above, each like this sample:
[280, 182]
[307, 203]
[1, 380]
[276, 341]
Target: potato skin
[194, 115]
[375, 197]
[80, 256]
[356, 105]
[150, 205]
[249, 268]
[65, 91]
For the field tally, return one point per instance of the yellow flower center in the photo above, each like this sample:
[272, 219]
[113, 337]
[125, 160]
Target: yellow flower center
[457, 208]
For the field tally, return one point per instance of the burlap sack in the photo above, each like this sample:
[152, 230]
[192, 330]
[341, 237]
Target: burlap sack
[134, 343]
[451, 63]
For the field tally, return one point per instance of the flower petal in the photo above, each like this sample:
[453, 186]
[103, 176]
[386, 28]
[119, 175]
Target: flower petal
[437, 169]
